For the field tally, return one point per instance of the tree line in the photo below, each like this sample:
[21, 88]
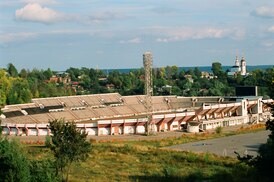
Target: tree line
[18, 87]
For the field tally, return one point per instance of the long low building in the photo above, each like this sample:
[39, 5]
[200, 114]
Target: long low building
[113, 114]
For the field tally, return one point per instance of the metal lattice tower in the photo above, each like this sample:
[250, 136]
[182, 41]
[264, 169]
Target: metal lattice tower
[147, 61]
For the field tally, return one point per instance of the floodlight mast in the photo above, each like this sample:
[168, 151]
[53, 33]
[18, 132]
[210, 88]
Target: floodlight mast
[147, 61]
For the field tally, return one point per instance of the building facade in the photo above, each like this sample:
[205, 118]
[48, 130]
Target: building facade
[113, 114]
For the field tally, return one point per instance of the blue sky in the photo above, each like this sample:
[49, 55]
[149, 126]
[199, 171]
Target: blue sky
[114, 33]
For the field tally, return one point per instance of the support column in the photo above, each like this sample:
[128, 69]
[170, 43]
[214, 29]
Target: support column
[18, 130]
[111, 127]
[9, 130]
[27, 130]
[159, 125]
[38, 131]
[48, 131]
[124, 128]
[169, 124]
[98, 129]
[136, 126]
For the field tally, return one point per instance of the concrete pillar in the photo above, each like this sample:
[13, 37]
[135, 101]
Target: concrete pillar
[243, 108]
[98, 129]
[136, 126]
[38, 131]
[18, 130]
[214, 115]
[48, 131]
[27, 130]
[110, 128]
[9, 130]
[124, 125]
[258, 108]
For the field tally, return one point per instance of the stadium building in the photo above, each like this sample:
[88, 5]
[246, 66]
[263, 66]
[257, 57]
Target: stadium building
[113, 114]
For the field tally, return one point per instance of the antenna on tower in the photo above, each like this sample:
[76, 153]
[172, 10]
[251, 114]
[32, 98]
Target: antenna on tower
[147, 61]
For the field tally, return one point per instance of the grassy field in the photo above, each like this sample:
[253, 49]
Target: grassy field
[147, 161]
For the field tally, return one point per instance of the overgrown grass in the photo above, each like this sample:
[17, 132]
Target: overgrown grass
[147, 161]
[128, 162]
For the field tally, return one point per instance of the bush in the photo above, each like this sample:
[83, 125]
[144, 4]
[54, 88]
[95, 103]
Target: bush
[219, 129]
[13, 164]
[43, 171]
[48, 141]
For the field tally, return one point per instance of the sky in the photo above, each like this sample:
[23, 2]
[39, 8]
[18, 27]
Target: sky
[114, 34]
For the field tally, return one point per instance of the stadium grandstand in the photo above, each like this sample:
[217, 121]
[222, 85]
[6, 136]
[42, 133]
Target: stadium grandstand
[113, 114]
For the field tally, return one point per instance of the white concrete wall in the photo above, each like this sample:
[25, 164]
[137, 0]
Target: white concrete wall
[175, 125]
[104, 131]
[165, 126]
[129, 129]
[33, 131]
[43, 131]
[141, 129]
[92, 131]
[192, 129]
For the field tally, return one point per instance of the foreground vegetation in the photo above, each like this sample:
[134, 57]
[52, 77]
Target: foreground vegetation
[116, 160]
[146, 161]
[133, 161]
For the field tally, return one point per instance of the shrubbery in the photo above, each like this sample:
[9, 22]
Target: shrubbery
[14, 166]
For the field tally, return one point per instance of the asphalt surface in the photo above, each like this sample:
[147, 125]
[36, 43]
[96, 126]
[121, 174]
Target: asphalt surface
[225, 146]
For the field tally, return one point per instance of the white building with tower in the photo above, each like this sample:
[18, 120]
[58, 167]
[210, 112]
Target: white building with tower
[239, 67]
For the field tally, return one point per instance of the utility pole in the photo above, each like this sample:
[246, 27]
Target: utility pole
[147, 61]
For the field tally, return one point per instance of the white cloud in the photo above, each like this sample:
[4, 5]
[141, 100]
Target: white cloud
[268, 43]
[265, 12]
[271, 29]
[131, 41]
[51, 2]
[37, 13]
[10, 37]
[34, 12]
[173, 34]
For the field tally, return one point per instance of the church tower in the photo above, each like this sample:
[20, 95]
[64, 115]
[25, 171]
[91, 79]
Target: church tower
[237, 63]
[243, 66]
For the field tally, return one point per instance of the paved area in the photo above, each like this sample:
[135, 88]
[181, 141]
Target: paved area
[225, 146]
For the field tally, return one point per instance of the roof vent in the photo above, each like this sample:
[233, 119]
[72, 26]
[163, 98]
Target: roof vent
[194, 99]
[41, 106]
[24, 112]
[63, 104]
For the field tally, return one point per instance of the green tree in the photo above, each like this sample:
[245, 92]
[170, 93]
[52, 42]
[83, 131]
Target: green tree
[68, 145]
[5, 86]
[23, 73]
[19, 92]
[216, 68]
[14, 166]
[217, 89]
[12, 70]
[48, 73]
[197, 72]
